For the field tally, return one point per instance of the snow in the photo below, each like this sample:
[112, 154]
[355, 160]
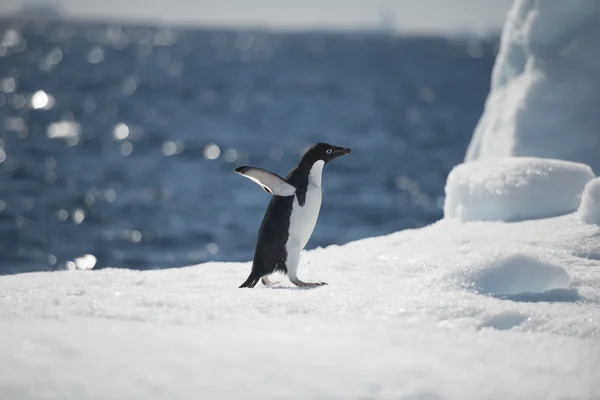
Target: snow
[517, 274]
[545, 91]
[452, 310]
[510, 189]
[589, 210]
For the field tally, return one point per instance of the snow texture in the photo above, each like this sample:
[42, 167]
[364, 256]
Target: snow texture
[454, 310]
[589, 210]
[545, 92]
[511, 189]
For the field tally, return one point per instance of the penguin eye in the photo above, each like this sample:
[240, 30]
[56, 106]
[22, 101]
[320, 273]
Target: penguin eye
[329, 151]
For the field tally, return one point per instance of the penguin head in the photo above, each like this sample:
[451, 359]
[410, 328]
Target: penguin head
[323, 152]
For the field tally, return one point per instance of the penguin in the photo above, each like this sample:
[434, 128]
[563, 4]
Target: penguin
[291, 215]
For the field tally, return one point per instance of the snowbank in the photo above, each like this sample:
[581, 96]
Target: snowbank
[521, 277]
[454, 311]
[509, 189]
[545, 93]
[589, 210]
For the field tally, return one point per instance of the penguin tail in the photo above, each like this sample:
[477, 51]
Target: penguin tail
[250, 282]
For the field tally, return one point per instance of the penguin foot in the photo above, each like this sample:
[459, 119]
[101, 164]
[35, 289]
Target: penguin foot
[267, 282]
[302, 284]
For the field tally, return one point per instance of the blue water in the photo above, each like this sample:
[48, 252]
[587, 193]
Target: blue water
[131, 156]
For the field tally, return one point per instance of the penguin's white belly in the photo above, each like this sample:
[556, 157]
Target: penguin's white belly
[304, 219]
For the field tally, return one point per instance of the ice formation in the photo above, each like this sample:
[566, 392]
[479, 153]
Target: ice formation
[545, 92]
[514, 188]
[589, 210]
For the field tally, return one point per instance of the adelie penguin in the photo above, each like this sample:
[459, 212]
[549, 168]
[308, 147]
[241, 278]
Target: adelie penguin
[291, 216]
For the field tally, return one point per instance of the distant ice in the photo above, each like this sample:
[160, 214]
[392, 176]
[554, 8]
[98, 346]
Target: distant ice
[589, 210]
[545, 92]
[509, 189]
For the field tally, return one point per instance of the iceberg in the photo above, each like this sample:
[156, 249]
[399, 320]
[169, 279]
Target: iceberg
[545, 92]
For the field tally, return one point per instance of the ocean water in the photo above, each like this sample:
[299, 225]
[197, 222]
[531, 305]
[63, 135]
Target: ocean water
[121, 141]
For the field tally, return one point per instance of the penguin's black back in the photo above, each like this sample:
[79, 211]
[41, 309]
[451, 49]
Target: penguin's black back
[270, 253]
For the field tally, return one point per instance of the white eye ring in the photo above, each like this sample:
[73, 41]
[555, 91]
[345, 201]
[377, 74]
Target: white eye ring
[329, 151]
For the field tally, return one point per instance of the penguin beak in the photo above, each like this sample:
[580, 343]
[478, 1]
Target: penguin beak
[342, 151]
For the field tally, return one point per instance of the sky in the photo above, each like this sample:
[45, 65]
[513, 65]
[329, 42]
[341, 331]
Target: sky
[424, 16]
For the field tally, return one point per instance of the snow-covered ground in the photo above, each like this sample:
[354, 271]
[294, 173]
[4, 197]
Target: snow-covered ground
[486, 310]
[488, 303]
